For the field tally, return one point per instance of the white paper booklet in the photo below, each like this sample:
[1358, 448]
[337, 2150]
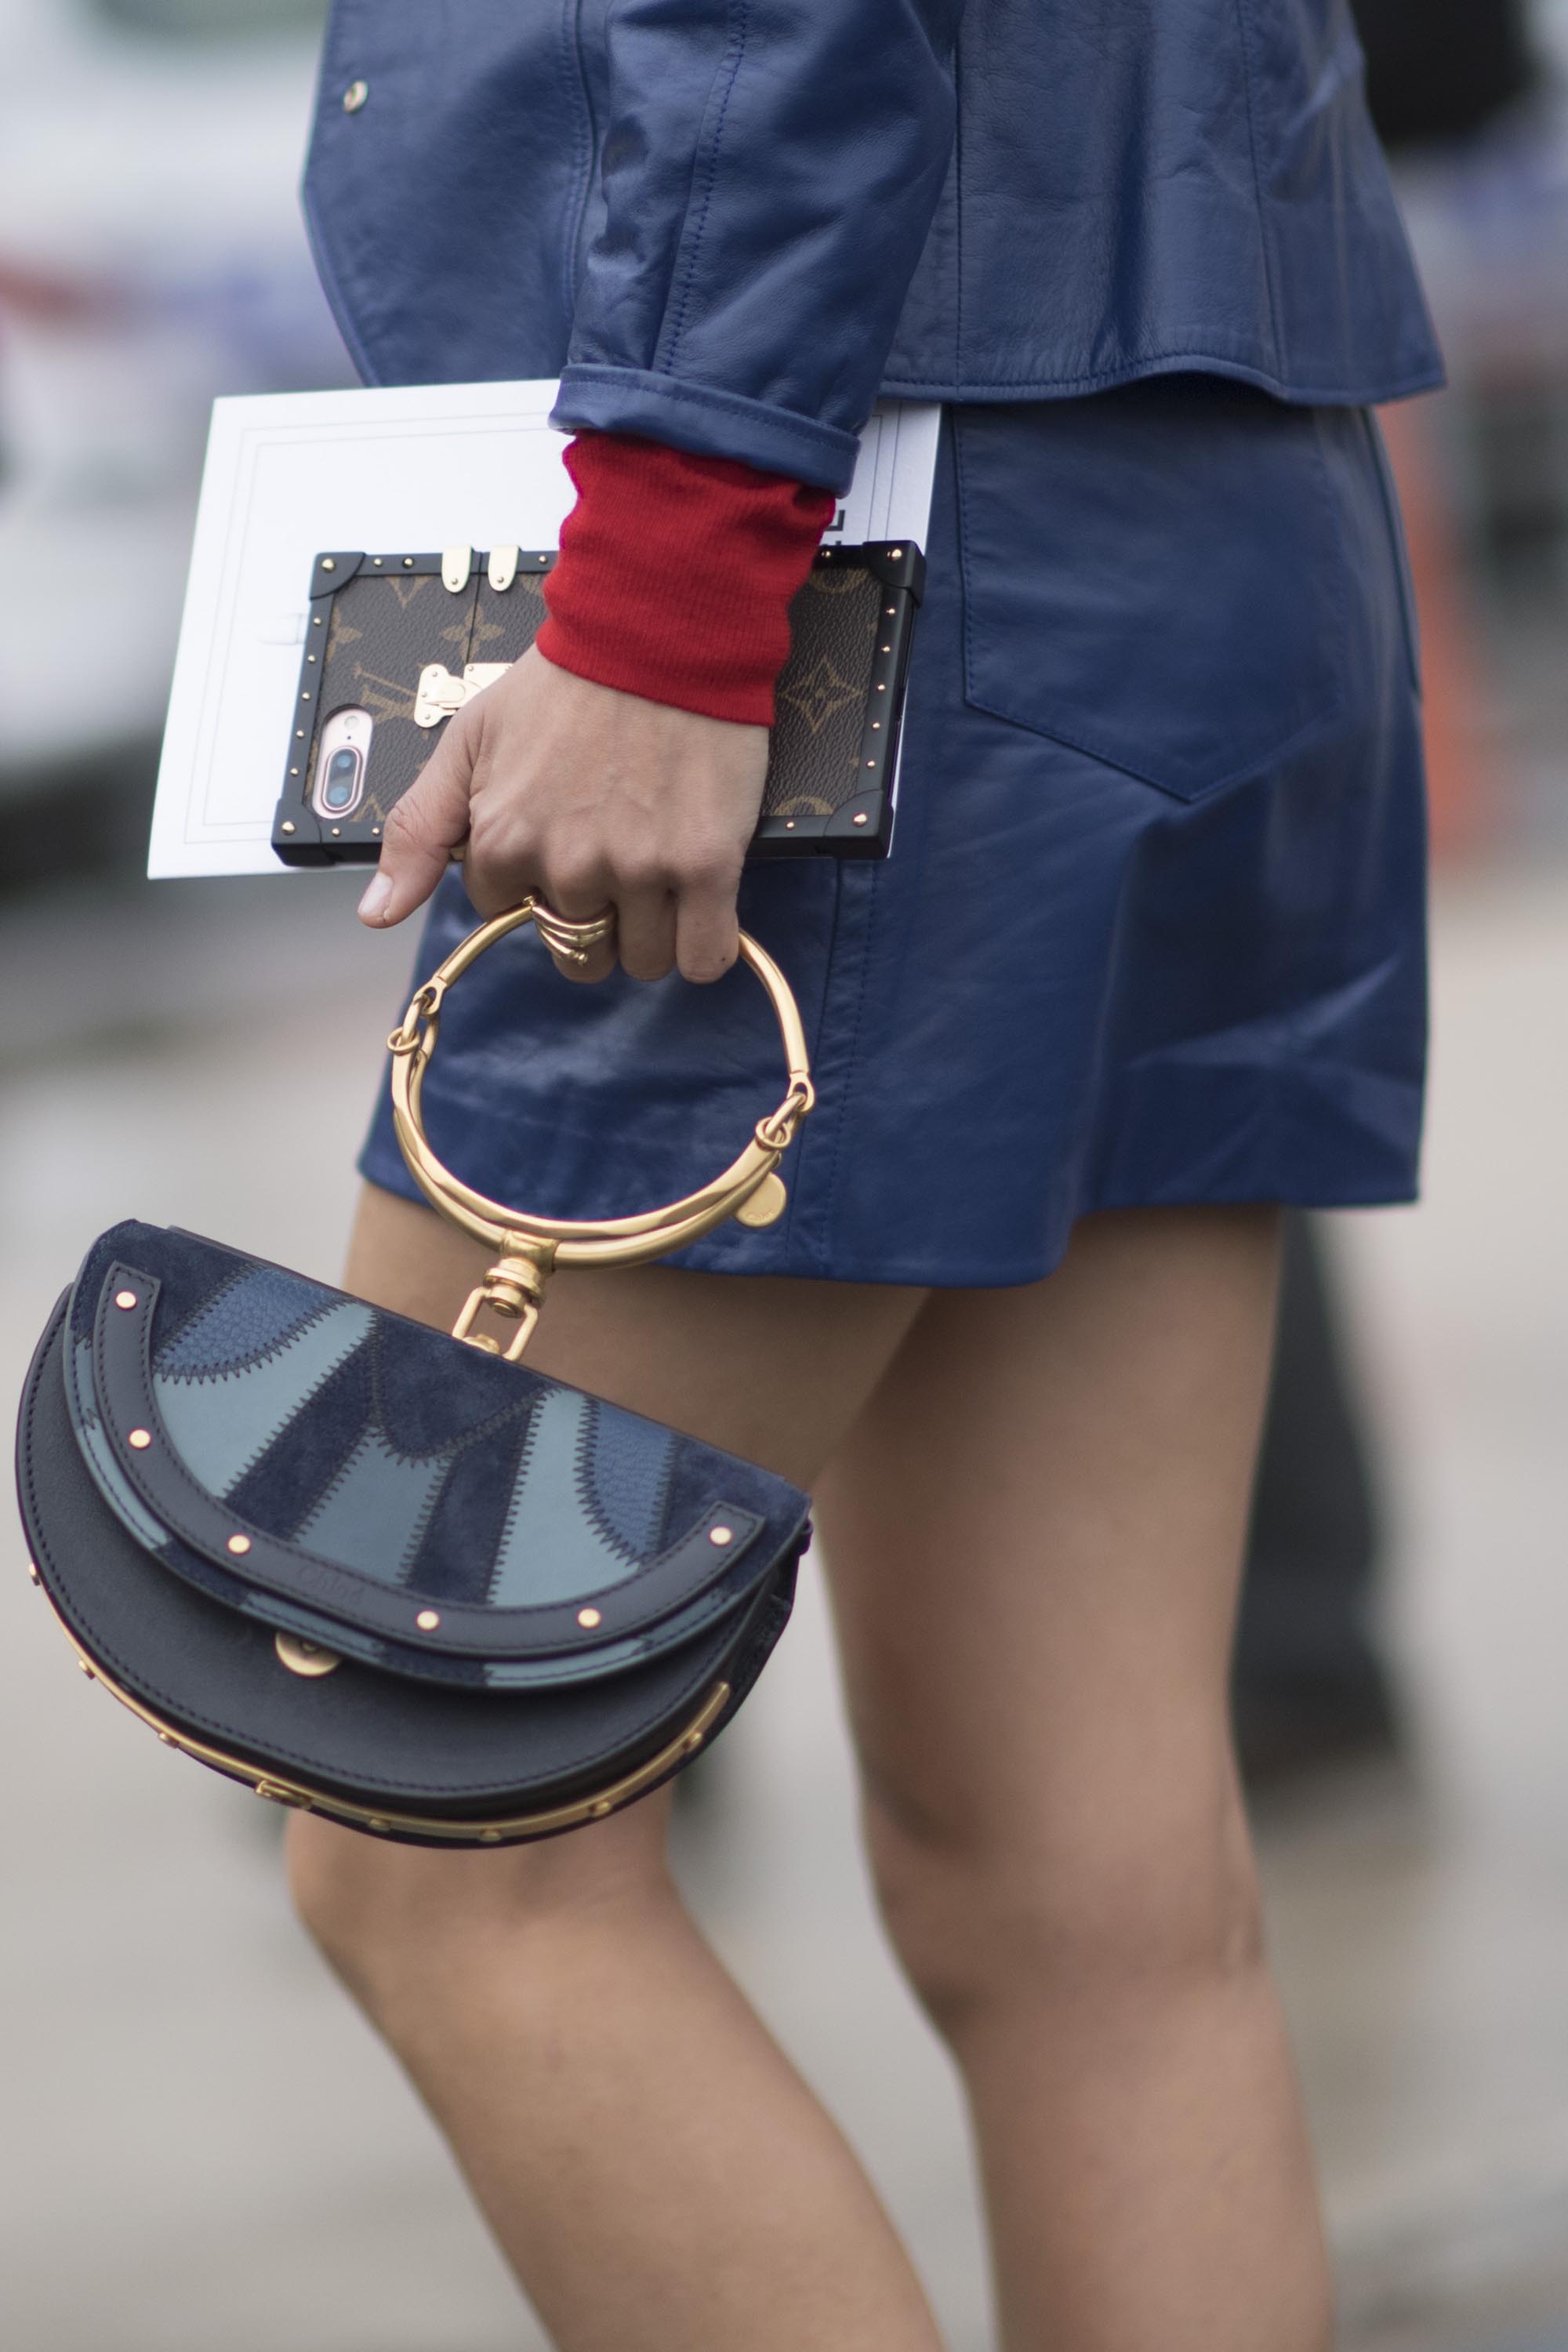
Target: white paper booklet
[427, 466]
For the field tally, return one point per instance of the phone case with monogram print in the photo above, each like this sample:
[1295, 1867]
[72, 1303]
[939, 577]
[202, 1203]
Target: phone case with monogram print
[396, 643]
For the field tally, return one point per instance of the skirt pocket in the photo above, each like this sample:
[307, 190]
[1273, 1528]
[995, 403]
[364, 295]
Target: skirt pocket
[1155, 577]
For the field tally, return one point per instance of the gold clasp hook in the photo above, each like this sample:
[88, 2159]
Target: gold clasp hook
[777, 1132]
[438, 694]
[416, 1032]
[513, 1288]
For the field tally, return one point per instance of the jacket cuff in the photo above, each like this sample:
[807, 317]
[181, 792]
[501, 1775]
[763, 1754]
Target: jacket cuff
[676, 575]
[707, 423]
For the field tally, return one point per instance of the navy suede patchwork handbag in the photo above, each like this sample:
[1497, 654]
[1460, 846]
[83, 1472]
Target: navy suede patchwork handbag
[390, 1575]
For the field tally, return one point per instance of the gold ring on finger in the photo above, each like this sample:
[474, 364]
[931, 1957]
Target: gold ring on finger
[572, 942]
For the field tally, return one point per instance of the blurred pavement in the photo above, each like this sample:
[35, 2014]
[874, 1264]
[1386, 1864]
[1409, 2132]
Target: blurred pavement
[203, 2145]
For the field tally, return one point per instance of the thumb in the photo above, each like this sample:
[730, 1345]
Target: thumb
[427, 823]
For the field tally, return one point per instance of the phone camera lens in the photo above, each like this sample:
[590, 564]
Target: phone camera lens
[338, 791]
[342, 773]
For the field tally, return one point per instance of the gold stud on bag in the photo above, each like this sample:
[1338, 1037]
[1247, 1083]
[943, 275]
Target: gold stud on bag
[398, 1577]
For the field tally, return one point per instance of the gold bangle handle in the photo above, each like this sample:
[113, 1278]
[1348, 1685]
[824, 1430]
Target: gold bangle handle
[530, 1246]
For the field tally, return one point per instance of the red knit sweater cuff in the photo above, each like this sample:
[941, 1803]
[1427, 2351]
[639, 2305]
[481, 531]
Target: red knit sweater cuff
[676, 574]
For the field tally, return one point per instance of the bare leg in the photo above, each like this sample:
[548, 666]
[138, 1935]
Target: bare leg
[1035, 1526]
[654, 2168]
[1035, 1534]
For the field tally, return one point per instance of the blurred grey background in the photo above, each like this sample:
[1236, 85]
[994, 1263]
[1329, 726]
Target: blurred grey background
[201, 2143]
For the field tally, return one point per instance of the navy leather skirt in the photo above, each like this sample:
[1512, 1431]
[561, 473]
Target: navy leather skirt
[1153, 928]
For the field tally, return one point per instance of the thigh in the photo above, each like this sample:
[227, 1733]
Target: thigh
[1034, 1535]
[775, 1370]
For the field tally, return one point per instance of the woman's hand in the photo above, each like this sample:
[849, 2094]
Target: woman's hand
[592, 798]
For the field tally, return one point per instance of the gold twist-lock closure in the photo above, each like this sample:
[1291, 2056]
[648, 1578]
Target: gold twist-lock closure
[529, 1247]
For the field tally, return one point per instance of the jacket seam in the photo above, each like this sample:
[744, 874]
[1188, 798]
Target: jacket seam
[1244, 37]
[343, 315]
[739, 20]
[734, 403]
[584, 150]
[958, 272]
[1336, 394]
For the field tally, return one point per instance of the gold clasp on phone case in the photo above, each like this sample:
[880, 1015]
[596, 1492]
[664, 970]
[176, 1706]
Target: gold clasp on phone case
[440, 694]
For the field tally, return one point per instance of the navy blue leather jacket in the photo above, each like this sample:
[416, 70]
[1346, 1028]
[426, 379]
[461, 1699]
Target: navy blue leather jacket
[728, 224]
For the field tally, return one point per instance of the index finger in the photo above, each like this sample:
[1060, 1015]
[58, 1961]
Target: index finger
[425, 826]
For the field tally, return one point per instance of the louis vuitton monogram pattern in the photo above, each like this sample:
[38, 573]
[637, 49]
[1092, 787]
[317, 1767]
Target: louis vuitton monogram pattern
[384, 627]
[815, 765]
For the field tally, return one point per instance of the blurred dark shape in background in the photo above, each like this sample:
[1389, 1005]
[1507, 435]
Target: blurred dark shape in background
[1441, 69]
[1310, 1687]
[1475, 102]
[1458, 85]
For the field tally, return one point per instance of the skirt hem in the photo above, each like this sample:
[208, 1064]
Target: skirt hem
[701, 1258]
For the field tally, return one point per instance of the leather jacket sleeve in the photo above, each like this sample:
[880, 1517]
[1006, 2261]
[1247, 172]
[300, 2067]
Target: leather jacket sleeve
[770, 172]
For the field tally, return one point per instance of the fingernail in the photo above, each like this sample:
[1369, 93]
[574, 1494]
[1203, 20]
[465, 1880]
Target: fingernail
[376, 899]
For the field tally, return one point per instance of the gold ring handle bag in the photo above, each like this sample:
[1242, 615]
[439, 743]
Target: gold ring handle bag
[398, 1576]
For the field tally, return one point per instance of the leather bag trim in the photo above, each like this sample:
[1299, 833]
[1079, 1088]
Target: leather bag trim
[126, 1401]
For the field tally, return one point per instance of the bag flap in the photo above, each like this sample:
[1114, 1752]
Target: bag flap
[345, 1473]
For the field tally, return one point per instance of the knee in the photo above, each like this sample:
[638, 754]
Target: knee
[393, 1920]
[1076, 1906]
